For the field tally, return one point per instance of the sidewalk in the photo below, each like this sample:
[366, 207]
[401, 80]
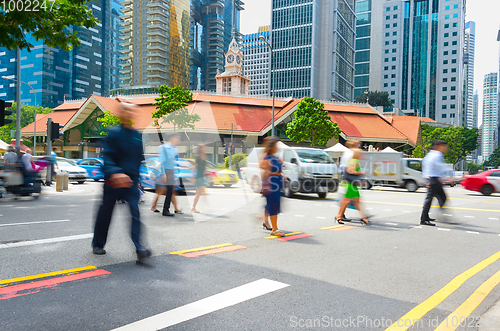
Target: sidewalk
[88, 187]
[490, 321]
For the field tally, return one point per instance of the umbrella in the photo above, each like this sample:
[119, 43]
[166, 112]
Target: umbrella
[337, 148]
[3, 145]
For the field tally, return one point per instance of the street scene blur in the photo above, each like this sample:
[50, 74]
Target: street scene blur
[258, 165]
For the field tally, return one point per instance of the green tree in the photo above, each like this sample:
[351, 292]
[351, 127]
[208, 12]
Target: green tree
[311, 122]
[27, 117]
[171, 105]
[108, 119]
[418, 152]
[49, 23]
[473, 168]
[494, 159]
[375, 99]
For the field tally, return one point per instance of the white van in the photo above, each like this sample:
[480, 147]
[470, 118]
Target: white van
[307, 170]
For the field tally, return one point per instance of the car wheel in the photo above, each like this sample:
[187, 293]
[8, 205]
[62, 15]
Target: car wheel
[256, 184]
[96, 179]
[209, 181]
[287, 190]
[487, 189]
[411, 186]
[81, 181]
[367, 185]
[322, 195]
[228, 185]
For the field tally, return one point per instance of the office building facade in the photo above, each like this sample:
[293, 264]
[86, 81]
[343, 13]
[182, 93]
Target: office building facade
[213, 25]
[56, 75]
[313, 47]
[490, 114]
[257, 61]
[156, 43]
[469, 54]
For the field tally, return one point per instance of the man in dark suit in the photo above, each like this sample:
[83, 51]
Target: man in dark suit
[123, 154]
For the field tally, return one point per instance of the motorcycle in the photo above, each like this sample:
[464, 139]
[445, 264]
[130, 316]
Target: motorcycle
[17, 184]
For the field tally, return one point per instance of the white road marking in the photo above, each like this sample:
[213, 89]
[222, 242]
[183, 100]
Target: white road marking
[447, 215]
[321, 218]
[1, 215]
[473, 232]
[469, 216]
[493, 218]
[369, 208]
[29, 223]
[205, 306]
[21, 207]
[391, 223]
[47, 241]
[441, 229]
[418, 227]
[299, 215]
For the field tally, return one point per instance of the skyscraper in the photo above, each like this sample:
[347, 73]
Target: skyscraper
[213, 24]
[490, 114]
[56, 75]
[257, 61]
[313, 45]
[469, 97]
[156, 41]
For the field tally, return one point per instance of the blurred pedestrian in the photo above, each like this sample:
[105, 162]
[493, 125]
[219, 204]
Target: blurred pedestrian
[123, 154]
[433, 168]
[168, 154]
[352, 180]
[28, 160]
[160, 186]
[10, 158]
[272, 182]
[344, 159]
[199, 175]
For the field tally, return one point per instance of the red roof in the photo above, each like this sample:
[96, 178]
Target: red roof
[60, 116]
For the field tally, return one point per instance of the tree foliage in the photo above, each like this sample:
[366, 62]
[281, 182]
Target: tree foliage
[461, 141]
[49, 21]
[473, 168]
[494, 159]
[311, 122]
[375, 99]
[108, 119]
[27, 117]
[171, 106]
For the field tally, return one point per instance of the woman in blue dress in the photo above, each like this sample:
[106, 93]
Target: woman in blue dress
[272, 180]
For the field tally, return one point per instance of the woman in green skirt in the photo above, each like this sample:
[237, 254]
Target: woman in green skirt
[352, 191]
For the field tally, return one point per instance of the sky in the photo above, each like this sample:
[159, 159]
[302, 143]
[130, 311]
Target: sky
[484, 12]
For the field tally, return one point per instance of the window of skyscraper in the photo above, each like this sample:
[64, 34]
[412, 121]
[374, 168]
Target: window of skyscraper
[452, 106]
[388, 9]
[363, 19]
[455, 15]
[454, 52]
[444, 107]
[386, 85]
[455, 6]
[394, 25]
[362, 69]
[445, 53]
[443, 116]
[394, 50]
[388, 17]
[445, 61]
[455, 25]
[393, 92]
[445, 88]
[393, 84]
[447, 8]
[386, 51]
[395, 33]
[454, 43]
[387, 42]
[386, 76]
[393, 67]
[362, 44]
[393, 76]
[444, 97]
[446, 43]
[387, 26]
[363, 31]
[387, 34]
[445, 71]
[455, 34]
[454, 61]
[445, 80]
[363, 56]
[452, 97]
[446, 17]
[395, 7]
[394, 42]
[453, 69]
[394, 59]
[453, 88]
[394, 16]
[446, 35]
[446, 26]
[453, 79]
[386, 68]
[386, 59]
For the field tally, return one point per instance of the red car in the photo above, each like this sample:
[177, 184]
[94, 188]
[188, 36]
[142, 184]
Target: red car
[485, 182]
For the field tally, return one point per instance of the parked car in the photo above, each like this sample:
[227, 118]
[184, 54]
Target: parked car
[150, 170]
[487, 182]
[76, 173]
[215, 175]
[93, 167]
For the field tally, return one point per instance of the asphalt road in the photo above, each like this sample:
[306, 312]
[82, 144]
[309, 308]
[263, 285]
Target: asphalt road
[351, 277]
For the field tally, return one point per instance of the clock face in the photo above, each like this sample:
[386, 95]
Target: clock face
[238, 59]
[230, 58]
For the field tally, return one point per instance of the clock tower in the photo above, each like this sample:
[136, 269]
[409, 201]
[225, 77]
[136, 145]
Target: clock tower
[232, 81]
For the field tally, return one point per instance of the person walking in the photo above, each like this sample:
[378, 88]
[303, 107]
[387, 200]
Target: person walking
[161, 188]
[199, 175]
[433, 168]
[10, 158]
[168, 153]
[123, 154]
[272, 182]
[352, 180]
[28, 160]
[344, 159]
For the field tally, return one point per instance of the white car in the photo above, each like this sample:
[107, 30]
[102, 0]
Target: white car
[76, 173]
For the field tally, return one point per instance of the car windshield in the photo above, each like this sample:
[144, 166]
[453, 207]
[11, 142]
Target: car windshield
[65, 162]
[313, 156]
[211, 165]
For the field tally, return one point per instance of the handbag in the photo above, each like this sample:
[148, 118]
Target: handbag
[350, 178]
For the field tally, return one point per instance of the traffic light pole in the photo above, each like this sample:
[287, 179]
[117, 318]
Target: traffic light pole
[48, 179]
[18, 102]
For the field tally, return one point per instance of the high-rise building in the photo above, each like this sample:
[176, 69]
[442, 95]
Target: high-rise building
[313, 47]
[156, 43]
[490, 114]
[469, 49]
[214, 23]
[257, 61]
[475, 110]
[56, 75]
[421, 62]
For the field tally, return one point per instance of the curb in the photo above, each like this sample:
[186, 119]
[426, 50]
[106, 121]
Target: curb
[490, 321]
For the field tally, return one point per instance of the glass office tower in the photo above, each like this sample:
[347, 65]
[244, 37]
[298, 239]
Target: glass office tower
[256, 61]
[56, 75]
[469, 50]
[490, 114]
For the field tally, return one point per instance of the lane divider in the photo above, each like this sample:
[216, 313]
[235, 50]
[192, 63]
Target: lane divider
[66, 272]
[407, 321]
[453, 321]
[286, 235]
[199, 249]
[297, 236]
[349, 227]
[214, 251]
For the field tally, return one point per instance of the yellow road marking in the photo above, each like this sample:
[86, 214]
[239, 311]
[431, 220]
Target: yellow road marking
[423, 308]
[286, 234]
[453, 321]
[199, 249]
[48, 274]
[332, 227]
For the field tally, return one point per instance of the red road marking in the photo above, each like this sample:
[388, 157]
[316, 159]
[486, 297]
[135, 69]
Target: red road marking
[298, 236]
[214, 251]
[35, 287]
[343, 228]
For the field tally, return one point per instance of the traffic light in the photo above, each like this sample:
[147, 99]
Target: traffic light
[54, 134]
[232, 149]
[226, 149]
[4, 113]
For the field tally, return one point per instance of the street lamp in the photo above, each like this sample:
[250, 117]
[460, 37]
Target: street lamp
[34, 135]
[367, 97]
[263, 39]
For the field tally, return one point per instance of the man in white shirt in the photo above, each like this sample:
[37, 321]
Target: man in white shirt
[26, 158]
[433, 168]
[10, 158]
